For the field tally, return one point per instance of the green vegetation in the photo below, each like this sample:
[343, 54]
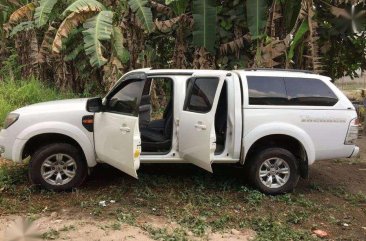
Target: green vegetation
[124, 217]
[52, 234]
[18, 93]
[12, 175]
[194, 204]
[75, 44]
[270, 229]
[163, 235]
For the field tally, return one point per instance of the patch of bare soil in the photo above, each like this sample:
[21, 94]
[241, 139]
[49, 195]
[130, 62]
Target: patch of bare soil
[66, 228]
[61, 227]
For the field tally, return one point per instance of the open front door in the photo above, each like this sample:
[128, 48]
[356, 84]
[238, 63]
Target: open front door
[197, 138]
[116, 129]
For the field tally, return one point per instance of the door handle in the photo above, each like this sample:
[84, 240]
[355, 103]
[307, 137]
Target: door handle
[200, 126]
[125, 129]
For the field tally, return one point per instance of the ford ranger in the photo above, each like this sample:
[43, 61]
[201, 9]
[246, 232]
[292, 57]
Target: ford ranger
[274, 123]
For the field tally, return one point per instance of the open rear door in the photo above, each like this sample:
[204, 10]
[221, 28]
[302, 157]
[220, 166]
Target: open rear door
[116, 129]
[197, 138]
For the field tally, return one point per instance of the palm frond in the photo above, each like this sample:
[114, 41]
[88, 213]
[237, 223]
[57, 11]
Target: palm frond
[121, 52]
[98, 28]
[83, 5]
[41, 15]
[23, 26]
[25, 11]
[70, 22]
[256, 17]
[143, 13]
[204, 15]
[46, 45]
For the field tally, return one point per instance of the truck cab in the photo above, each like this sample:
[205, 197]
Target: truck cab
[195, 126]
[273, 123]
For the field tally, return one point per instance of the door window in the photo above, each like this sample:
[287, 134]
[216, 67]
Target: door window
[200, 94]
[126, 100]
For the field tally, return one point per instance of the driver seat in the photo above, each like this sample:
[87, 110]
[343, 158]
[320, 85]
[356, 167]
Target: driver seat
[157, 135]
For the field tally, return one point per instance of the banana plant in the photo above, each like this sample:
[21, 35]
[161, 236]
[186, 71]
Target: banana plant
[300, 33]
[143, 13]
[256, 17]
[179, 24]
[7, 7]
[291, 10]
[97, 29]
[205, 17]
[92, 16]
[43, 11]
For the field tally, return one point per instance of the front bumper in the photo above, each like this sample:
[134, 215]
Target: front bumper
[10, 147]
[355, 152]
[5, 150]
[2, 143]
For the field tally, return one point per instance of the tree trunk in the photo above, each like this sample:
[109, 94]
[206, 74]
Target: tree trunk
[180, 49]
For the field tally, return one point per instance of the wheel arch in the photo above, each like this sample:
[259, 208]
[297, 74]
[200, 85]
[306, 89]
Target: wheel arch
[285, 136]
[46, 133]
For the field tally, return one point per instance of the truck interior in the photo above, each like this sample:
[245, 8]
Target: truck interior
[221, 121]
[156, 115]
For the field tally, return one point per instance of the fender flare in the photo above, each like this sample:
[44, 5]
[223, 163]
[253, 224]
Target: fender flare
[56, 127]
[276, 128]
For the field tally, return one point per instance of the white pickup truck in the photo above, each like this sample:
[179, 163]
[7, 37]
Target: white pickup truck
[275, 123]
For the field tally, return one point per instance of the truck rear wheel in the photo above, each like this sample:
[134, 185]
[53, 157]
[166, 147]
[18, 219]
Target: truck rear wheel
[58, 167]
[274, 171]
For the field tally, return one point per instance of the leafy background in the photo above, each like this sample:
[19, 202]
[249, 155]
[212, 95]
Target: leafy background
[86, 45]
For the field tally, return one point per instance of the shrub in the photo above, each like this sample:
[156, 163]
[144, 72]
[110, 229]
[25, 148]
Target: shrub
[12, 175]
[18, 93]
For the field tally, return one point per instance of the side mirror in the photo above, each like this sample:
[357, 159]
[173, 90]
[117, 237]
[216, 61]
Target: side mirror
[94, 105]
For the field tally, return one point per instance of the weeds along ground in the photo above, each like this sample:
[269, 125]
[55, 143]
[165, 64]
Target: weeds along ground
[199, 202]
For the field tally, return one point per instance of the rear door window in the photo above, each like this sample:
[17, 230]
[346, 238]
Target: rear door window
[309, 92]
[200, 94]
[264, 90]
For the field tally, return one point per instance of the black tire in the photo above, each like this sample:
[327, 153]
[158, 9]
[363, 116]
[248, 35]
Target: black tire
[42, 154]
[267, 154]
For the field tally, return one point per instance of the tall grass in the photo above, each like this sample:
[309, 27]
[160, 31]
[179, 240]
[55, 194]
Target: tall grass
[18, 93]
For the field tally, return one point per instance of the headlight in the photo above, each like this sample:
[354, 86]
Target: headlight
[10, 119]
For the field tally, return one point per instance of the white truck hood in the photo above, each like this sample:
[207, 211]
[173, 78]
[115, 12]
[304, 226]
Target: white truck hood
[54, 106]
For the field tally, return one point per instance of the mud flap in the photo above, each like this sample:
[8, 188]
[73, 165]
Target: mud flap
[304, 168]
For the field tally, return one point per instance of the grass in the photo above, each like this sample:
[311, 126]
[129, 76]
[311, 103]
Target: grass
[198, 203]
[18, 93]
[12, 175]
[163, 234]
[51, 234]
[124, 217]
[269, 229]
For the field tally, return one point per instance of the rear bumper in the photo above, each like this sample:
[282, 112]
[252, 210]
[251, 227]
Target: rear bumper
[355, 152]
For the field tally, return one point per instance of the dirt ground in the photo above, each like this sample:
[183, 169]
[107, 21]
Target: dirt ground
[182, 202]
[79, 228]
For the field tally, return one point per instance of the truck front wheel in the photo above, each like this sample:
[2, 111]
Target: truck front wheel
[274, 171]
[58, 167]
